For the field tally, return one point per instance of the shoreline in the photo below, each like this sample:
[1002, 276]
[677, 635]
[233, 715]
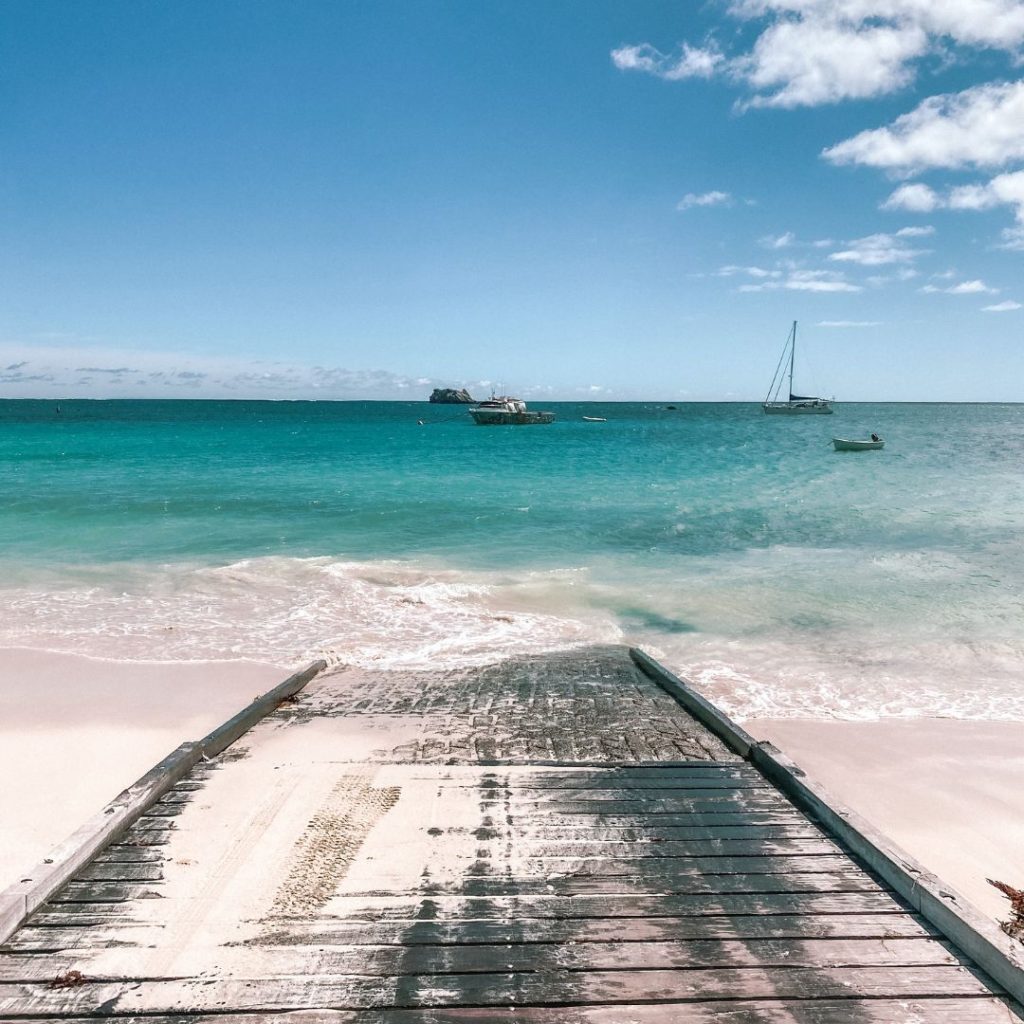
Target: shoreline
[946, 790]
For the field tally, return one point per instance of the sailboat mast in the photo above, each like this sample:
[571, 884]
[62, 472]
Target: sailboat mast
[792, 357]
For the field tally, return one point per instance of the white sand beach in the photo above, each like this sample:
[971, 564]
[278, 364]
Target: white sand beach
[75, 731]
[948, 791]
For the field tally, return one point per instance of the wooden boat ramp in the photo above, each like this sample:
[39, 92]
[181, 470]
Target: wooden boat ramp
[576, 838]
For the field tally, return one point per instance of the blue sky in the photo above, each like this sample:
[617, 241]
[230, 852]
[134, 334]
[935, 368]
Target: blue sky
[606, 200]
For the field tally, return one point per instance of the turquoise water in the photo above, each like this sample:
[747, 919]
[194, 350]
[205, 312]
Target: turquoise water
[783, 577]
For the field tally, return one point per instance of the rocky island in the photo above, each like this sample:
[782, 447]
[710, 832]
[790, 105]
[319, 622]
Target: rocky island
[451, 396]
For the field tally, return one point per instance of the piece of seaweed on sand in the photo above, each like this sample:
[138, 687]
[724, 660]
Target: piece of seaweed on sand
[1014, 926]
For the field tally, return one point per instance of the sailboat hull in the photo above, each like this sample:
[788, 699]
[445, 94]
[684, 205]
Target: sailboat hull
[820, 408]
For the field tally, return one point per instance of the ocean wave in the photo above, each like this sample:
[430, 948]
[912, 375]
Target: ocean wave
[288, 610]
[759, 649]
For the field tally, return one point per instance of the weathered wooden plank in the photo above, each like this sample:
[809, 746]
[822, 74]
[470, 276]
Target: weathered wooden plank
[648, 802]
[638, 834]
[532, 849]
[542, 930]
[521, 819]
[848, 880]
[164, 810]
[654, 867]
[145, 824]
[550, 905]
[391, 960]
[146, 838]
[119, 871]
[82, 915]
[177, 796]
[497, 989]
[946, 1010]
[548, 770]
[494, 863]
[31, 938]
[105, 892]
[644, 788]
[118, 853]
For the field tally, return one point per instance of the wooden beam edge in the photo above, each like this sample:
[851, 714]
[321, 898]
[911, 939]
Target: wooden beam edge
[21, 899]
[1001, 957]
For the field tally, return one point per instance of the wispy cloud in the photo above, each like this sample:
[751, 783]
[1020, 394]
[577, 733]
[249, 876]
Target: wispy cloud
[805, 281]
[713, 198]
[783, 241]
[1002, 307]
[689, 62]
[973, 287]
[732, 271]
[849, 323]
[881, 249]
[34, 370]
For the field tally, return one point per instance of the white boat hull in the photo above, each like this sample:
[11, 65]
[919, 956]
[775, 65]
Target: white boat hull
[842, 444]
[820, 408]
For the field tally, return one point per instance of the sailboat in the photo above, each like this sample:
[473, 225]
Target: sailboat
[796, 404]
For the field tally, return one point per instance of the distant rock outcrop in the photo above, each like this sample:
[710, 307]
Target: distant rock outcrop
[451, 396]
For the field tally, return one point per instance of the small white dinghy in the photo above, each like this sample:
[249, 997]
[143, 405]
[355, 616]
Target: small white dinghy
[842, 444]
[595, 419]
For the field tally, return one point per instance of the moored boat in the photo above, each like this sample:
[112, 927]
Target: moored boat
[795, 405]
[595, 419]
[843, 444]
[501, 410]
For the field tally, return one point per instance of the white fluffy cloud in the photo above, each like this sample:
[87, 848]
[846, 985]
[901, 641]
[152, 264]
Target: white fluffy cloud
[988, 23]
[917, 198]
[810, 52]
[1002, 307]
[980, 127]
[1002, 190]
[816, 60]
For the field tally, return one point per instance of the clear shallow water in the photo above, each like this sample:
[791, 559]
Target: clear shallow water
[784, 578]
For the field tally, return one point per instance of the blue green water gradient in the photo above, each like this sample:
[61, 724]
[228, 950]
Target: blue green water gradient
[783, 577]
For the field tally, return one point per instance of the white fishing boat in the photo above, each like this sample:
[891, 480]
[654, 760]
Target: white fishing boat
[844, 444]
[501, 410]
[795, 405]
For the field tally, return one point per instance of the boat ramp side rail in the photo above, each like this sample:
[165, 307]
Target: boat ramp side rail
[25, 896]
[1000, 956]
